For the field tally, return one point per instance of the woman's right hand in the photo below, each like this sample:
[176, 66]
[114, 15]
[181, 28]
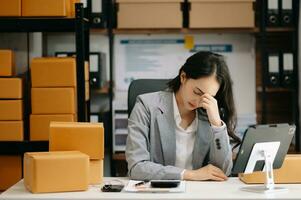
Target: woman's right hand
[209, 172]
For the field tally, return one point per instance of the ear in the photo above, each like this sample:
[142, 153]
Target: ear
[183, 77]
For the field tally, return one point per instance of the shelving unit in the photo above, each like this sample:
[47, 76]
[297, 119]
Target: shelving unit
[284, 107]
[78, 25]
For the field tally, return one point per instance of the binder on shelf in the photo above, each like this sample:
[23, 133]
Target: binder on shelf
[288, 70]
[287, 12]
[272, 13]
[97, 10]
[273, 70]
[97, 72]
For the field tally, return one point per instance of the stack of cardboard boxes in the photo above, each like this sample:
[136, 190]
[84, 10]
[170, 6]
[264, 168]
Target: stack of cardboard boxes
[11, 118]
[75, 159]
[38, 8]
[53, 94]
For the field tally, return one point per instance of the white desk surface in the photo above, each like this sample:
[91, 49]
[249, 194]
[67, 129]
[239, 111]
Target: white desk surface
[229, 189]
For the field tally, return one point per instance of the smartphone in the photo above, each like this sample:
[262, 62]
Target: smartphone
[165, 183]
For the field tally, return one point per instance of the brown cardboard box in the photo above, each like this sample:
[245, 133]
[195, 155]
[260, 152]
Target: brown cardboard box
[11, 110]
[53, 72]
[87, 71]
[71, 8]
[288, 173]
[84, 137]
[221, 14]
[10, 171]
[149, 14]
[6, 62]
[11, 88]
[11, 8]
[53, 101]
[87, 90]
[56, 171]
[45, 8]
[11, 130]
[39, 125]
[96, 171]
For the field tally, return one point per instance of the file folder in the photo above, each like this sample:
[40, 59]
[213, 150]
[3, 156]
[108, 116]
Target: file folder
[97, 10]
[287, 13]
[273, 70]
[288, 69]
[272, 13]
[97, 69]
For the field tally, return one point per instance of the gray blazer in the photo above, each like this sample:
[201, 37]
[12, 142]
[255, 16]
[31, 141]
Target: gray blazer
[151, 142]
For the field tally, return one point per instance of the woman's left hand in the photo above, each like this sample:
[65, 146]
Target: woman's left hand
[209, 103]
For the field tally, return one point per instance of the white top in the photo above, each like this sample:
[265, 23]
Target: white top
[184, 139]
[208, 190]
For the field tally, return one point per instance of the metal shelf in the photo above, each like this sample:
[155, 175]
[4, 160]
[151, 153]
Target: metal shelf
[80, 26]
[40, 24]
[20, 147]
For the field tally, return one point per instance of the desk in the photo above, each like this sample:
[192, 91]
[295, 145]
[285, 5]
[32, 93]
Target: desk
[194, 190]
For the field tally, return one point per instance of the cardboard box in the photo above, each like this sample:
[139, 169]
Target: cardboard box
[96, 171]
[11, 110]
[11, 131]
[45, 8]
[53, 101]
[7, 63]
[56, 171]
[11, 8]
[87, 90]
[149, 14]
[53, 72]
[288, 173]
[84, 137]
[10, 171]
[39, 125]
[221, 14]
[11, 88]
[71, 8]
[87, 71]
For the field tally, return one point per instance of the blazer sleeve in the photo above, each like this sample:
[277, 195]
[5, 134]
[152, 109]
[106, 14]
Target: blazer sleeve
[220, 154]
[138, 147]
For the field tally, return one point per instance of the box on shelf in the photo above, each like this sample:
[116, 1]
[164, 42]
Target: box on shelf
[221, 14]
[39, 125]
[10, 171]
[11, 8]
[288, 173]
[53, 72]
[45, 8]
[11, 110]
[11, 88]
[11, 131]
[84, 137]
[87, 71]
[7, 63]
[96, 171]
[53, 101]
[56, 171]
[87, 90]
[149, 14]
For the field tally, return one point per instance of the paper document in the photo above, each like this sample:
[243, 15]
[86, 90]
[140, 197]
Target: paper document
[130, 187]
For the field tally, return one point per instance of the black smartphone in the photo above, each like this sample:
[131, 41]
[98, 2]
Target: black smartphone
[165, 183]
[112, 188]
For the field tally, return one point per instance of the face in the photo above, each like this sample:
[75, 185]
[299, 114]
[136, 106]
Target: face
[191, 90]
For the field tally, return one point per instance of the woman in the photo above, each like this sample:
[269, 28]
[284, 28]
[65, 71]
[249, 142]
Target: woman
[179, 133]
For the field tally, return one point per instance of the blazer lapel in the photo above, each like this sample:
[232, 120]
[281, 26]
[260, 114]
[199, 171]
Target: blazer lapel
[166, 124]
[202, 142]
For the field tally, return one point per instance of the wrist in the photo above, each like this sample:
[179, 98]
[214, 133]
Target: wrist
[217, 123]
[188, 175]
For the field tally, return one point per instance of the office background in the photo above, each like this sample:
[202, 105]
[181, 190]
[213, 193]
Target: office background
[124, 54]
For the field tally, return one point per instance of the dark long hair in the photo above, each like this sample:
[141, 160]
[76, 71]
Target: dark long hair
[204, 64]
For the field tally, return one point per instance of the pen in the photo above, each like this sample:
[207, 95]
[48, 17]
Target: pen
[141, 183]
